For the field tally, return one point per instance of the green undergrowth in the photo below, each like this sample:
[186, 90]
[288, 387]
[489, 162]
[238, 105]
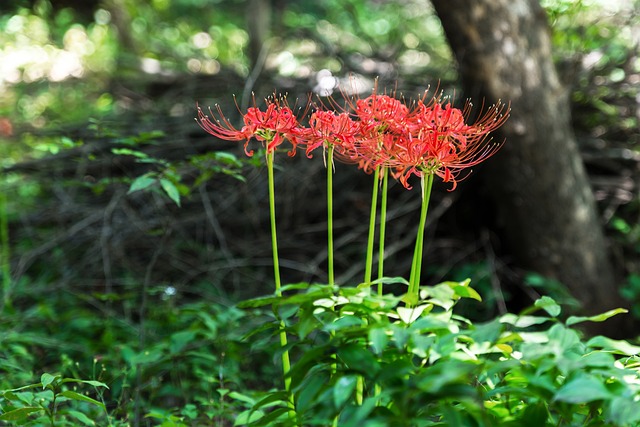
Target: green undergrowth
[215, 365]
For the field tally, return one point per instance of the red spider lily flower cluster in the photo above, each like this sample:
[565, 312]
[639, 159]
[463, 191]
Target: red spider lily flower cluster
[377, 132]
[272, 126]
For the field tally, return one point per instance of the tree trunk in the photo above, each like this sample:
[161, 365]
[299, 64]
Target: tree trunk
[538, 180]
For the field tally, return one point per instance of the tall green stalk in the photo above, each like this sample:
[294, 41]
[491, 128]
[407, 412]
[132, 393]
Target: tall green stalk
[5, 252]
[372, 226]
[330, 215]
[383, 221]
[286, 362]
[426, 182]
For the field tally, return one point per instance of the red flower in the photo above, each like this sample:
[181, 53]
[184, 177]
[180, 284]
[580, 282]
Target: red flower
[440, 142]
[272, 126]
[326, 128]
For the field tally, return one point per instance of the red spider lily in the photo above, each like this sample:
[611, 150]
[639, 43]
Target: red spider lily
[440, 141]
[272, 126]
[328, 128]
[381, 113]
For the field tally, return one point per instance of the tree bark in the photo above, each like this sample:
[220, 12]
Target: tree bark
[538, 180]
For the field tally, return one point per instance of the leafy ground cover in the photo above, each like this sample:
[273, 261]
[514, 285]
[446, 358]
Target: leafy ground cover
[121, 333]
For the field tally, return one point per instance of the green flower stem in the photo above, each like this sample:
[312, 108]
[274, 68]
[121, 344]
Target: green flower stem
[330, 214]
[5, 253]
[286, 362]
[416, 266]
[372, 226]
[383, 220]
[331, 275]
[369, 261]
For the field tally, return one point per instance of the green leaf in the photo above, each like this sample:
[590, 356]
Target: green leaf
[89, 382]
[46, 379]
[309, 389]
[242, 398]
[378, 338]
[141, 182]
[597, 318]
[20, 413]
[171, 190]
[391, 280]
[623, 411]
[549, 305]
[81, 397]
[522, 321]
[583, 389]
[81, 417]
[409, 314]
[129, 152]
[616, 346]
[358, 358]
[343, 389]
[248, 417]
[467, 292]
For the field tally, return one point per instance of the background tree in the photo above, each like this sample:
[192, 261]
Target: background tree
[539, 183]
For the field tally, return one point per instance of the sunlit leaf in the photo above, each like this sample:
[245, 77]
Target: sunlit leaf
[171, 190]
[409, 314]
[549, 305]
[141, 182]
[597, 318]
[47, 379]
[248, 417]
[617, 346]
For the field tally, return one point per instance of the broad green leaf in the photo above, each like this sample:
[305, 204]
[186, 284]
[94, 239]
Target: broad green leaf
[343, 389]
[171, 190]
[623, 411]
[46, 379]
[20, 413]
[583, 389]
[242, 398]
[597, 318]
[522, 321]
[248, 417]
[549, 305]
[467, 292]
[225, 157]
[275, 417]
[378, 338]
[616, 346]
[309, 389]
[141, 182]
[81, 417]
[274, 398]
[81, 397]
[409, 315]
